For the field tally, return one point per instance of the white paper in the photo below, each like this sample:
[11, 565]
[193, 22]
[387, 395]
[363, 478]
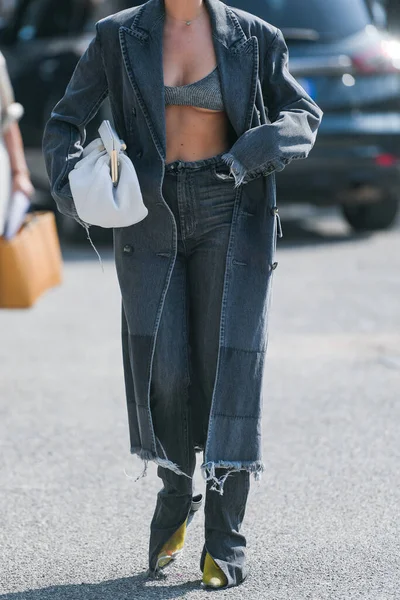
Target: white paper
[3, 214]
[18, 207]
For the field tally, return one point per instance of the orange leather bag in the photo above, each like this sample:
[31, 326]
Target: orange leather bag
[31, 262]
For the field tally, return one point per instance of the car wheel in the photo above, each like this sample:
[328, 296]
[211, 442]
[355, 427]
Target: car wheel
[372, 217]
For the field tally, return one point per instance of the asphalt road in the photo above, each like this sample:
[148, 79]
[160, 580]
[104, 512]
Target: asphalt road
[324, 521]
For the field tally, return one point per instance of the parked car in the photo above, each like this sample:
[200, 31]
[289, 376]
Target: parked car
[42, 43]
[347, 64]
[352, 70]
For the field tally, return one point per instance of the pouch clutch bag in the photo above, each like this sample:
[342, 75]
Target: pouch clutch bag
[104, 183]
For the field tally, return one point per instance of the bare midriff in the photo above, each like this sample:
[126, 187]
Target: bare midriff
[188, 56]
[195, 133]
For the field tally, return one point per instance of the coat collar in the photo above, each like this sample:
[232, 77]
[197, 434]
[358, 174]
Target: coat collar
[226, 27]
[237, 59]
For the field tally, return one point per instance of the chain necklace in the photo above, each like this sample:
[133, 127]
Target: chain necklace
[186, 21]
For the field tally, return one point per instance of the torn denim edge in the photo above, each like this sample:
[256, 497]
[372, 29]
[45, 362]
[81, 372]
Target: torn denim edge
[238, 170]
[208, 472]
[61, 197]
[86, 227]
[147, 456]
[243, 175]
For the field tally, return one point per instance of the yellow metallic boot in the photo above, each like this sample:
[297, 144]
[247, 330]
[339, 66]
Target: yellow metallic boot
[172, 548]
[213, 575]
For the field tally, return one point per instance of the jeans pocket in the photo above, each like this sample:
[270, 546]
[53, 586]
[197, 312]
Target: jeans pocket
[222, 173]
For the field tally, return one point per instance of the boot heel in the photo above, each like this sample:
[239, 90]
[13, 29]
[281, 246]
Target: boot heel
[213, 575]
[172, 548]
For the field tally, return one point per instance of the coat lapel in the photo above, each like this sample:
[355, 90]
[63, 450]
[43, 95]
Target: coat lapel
[237, 58]
[141, 46]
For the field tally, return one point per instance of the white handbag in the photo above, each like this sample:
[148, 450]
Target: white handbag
[104, 183]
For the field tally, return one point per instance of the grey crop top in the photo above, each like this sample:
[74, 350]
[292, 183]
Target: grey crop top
[205, 93]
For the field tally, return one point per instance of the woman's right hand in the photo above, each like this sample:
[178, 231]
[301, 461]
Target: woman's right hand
[22, 183]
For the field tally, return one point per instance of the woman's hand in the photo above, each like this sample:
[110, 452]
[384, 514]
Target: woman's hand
[21, 180]
[22, 183]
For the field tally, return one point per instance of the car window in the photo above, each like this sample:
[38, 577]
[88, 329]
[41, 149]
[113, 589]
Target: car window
[331, 19]
[50, 18]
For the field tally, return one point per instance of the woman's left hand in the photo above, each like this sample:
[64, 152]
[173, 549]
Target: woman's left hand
[22, 183]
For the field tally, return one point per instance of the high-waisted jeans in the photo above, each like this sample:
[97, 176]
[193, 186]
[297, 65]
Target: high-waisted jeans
[201, 196]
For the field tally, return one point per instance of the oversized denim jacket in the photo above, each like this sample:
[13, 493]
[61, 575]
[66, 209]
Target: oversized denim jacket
[275, 122]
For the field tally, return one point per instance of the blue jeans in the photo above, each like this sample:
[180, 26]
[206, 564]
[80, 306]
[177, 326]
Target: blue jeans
[201, 196]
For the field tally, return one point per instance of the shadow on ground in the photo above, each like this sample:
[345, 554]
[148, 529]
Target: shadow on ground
[138, 587]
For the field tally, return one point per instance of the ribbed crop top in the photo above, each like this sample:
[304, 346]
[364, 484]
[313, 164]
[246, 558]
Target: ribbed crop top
[205, 93]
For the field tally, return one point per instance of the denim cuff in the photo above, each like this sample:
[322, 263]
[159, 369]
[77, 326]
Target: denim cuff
[238, 170]
[243, 175]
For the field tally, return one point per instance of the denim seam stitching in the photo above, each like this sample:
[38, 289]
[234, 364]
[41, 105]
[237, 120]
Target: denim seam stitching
[235, 416]
[149, 121]
[224, 302]
[156, 328]
[187, 365]
[186, 322]
[192, 205]
[243, 350]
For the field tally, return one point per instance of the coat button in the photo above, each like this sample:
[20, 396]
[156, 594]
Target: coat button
[128, 249]
[273, 267]
[139, 154]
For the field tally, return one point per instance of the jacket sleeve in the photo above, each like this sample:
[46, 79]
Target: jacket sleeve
[65, 132]
[293, 122]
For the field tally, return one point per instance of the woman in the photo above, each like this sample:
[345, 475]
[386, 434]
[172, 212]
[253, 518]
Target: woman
[188, 81]
[14, 174]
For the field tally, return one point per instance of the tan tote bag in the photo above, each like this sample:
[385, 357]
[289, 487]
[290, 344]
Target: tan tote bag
[31, 262]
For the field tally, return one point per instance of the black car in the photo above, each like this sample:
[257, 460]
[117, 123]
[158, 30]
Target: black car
[42, 43]
[352, 70]
[345, 62]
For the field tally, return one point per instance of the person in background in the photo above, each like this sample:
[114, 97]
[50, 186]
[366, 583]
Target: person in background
[14, 173]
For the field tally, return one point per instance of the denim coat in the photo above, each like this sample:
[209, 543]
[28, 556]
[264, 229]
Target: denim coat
[275, 122]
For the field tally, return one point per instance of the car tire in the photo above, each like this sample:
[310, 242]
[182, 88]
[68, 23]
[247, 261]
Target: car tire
[372, 217]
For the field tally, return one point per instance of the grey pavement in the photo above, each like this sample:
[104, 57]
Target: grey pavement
[324, 521]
